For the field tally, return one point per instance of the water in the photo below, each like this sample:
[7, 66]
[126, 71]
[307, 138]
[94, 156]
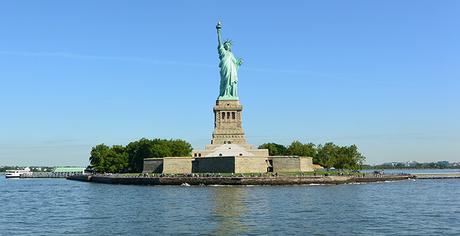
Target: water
[62, 207]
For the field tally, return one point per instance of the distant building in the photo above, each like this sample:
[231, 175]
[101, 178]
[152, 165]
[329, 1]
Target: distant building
[69, 170]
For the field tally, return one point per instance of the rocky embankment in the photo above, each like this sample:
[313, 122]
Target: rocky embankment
[278, 180]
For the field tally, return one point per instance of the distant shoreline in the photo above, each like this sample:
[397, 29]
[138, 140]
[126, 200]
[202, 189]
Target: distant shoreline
[408, 168]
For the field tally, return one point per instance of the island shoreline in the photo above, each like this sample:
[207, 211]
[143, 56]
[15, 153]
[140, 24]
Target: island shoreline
[278, 180]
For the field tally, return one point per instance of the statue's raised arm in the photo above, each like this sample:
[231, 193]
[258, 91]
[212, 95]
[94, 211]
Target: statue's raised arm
[219, 37]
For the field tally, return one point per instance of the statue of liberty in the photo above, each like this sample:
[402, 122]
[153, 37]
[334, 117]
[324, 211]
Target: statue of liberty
[229, 66]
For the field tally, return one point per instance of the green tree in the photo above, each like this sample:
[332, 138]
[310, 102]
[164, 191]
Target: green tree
[346, 157]
[137, 151]
[274, 149]
[148, 148]
[181, 148]
[326, 155]
[117, 160]
[99, 157]
[161, 148]
[349, 157]
[299, 149]
[108, 159]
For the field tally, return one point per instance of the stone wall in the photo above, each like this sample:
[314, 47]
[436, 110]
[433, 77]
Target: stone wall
[177, 165]
[214, 165]
[306, 164]
[286, 164]
[292, 164]
[251, 164]
[153, 165]
[227, 164]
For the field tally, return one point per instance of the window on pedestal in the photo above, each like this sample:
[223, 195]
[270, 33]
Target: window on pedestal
[228, 115]
[233, 115]
[223, 115]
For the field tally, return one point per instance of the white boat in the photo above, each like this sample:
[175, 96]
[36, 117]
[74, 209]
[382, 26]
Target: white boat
[17, 173]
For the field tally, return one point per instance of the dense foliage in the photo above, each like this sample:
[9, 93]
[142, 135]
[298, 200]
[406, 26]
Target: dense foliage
[327, 155]
[130, 158]
[274, 149]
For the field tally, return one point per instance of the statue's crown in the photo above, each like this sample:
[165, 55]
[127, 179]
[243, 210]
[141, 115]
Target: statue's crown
[228, 41]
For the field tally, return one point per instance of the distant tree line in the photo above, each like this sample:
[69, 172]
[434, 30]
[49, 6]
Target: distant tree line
[415, 165]
[32, 168]
[5, 168]
[130, 158]
[327, 155]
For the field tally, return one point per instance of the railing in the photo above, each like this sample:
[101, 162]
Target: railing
[50, 174]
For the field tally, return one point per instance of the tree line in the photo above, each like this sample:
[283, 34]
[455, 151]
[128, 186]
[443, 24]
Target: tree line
[130, 158]
[327, 155]
[415, 165]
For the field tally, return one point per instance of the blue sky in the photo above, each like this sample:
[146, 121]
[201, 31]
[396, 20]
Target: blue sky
[384, 75]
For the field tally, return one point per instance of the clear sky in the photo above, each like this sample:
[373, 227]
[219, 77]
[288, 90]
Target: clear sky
[384, 75]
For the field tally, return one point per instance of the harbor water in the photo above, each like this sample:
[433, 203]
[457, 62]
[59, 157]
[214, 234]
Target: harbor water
[63, 207]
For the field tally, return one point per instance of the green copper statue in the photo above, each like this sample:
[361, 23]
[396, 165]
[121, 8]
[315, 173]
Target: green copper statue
[229, 66]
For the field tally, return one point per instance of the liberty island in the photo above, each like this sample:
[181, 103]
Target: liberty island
[229, 159]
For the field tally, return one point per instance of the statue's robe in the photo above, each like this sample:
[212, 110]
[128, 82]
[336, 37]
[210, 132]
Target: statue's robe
[228, 73]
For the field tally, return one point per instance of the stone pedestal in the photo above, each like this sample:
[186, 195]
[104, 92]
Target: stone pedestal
[228, 123]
